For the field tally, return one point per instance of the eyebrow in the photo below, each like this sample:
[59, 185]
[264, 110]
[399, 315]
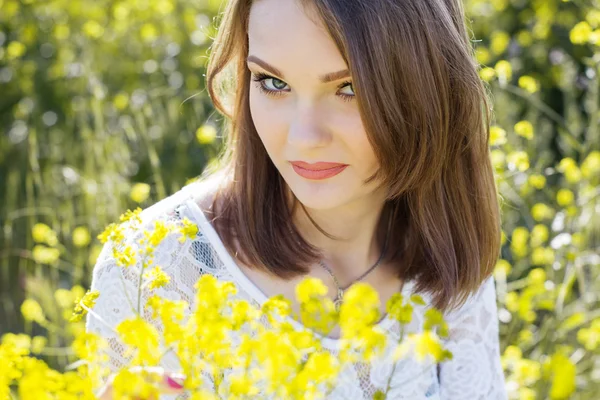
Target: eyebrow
[330, 77]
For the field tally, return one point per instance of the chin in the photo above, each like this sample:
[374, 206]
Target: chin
[318, 195]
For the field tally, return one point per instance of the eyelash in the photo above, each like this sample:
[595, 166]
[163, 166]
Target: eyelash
[260, 77]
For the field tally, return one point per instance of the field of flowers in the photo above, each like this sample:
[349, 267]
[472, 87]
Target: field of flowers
[103, 108]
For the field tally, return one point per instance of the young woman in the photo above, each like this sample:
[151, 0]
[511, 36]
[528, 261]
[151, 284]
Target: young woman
[357, 150]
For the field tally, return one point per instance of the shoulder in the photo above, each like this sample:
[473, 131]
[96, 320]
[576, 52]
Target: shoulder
[479, 312]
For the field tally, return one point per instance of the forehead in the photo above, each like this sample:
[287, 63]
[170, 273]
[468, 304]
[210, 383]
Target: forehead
[281, 33]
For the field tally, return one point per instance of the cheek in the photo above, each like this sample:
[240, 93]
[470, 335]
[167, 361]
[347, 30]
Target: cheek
[352, 133]
[269, 121]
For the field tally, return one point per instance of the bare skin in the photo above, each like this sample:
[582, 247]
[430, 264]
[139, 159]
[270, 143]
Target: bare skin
[165, 386]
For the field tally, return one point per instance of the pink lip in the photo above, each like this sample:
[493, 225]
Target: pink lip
[317, 171]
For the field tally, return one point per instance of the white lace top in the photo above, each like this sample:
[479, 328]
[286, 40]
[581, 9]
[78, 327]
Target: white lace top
[475, 372]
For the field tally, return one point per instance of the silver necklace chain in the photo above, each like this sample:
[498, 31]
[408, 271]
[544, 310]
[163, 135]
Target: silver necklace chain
[340, 290]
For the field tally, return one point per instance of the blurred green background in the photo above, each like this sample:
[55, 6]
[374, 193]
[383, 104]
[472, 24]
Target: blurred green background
[103, 108]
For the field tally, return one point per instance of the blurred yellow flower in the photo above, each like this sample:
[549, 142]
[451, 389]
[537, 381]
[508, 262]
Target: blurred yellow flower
[81, 236]
[524, 38]
[497, 135]
[42, 233]
[590, 167]
[542, 256]
[529, 84]
[499, 41]
[569, 168]
[32, 311]
[139, 192]
[561, 371]
[512, 301]
[45, 255]
[524, 129]
[38, 343]
[580, 33]
[518, 244]
[15, 50]
[502, 267]
[519, 160]
[121, 101]
[482, 54]
[590, 337]
[93, 29]
[565, 197]
[537, 181]
[148, 32]
[428, 343]
[503, 69]
[539, 235]
[61, 31]
[142, 338]
[541, 211]
[487, 73]
[206, 134]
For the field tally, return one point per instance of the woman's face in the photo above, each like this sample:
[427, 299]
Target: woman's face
[299, 115]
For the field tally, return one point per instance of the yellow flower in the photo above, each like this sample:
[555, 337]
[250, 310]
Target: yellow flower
[502, 267]
[38, 344]
[81, 236]
[206, 134]
[121, 101]
[503, 69]
[518, 160]
[524, 129]
[148, 32]
[570, 169]
[45, 255]
[189, 230]
[487, 74]
[140, 192]
[434, 318]
[497, 135]
[42, 233]
[499, 41]
[542, 256]
[529, 83]
[132, 216]
[591, 164]
[310, 288]
[539, 235]
[590, 337]
[580, 33]
[561, 371]
[565, 197]
[32, 311]
[143, 340]
[86, 302]
[157, 278]
[160, 231]
[93, 29]
[518, 245]
[426, 344]
[126, 257]
[537, 181]
[512, 301]
[541, 211]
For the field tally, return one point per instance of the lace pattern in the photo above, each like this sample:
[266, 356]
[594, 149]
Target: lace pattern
[474, 373]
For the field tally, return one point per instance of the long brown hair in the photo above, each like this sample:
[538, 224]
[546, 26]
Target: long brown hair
[426, 113]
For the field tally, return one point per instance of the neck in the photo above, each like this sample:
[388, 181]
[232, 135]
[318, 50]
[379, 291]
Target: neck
[355, 245]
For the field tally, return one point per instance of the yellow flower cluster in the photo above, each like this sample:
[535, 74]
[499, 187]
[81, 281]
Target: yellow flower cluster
[223, 337]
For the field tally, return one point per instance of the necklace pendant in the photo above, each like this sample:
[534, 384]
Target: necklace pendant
[338, 299]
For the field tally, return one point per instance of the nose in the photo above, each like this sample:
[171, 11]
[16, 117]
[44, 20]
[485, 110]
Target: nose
[306, 131]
